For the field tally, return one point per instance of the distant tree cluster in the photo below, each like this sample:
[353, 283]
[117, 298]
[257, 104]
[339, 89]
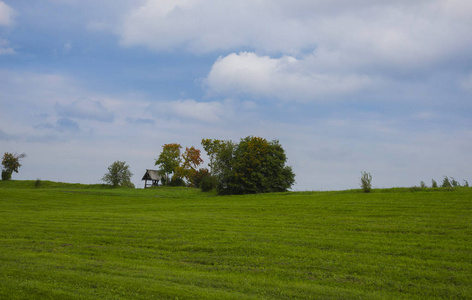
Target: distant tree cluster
[448, 182]
[11, 163]
[254, 165]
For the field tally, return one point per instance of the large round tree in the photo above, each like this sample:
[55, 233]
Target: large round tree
[255, 165]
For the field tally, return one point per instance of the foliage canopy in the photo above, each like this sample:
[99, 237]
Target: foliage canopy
[169, 159]
[118, 174]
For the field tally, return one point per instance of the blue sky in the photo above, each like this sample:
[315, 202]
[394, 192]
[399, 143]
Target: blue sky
[345, 86]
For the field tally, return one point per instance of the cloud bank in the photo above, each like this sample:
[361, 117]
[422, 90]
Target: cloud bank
[400, 32]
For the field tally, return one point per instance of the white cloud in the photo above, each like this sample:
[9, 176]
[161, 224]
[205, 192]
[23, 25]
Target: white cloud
[401, 32]
[286, 78]
[6, 19]
[6, 14]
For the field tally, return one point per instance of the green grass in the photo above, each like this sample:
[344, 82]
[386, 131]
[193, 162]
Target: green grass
[93, 242]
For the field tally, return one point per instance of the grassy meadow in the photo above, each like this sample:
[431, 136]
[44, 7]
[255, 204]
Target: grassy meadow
[64, 241]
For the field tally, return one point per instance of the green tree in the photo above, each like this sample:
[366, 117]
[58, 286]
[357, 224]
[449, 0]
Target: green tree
[212, 147]
[169, 160]
[446, 183]
[454, 182]
[118, 175]
[11, 163]
[255, 165]
[222, 171]
[366, 182]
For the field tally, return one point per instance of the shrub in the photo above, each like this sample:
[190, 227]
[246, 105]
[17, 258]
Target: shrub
[366, 181]
[128, 184]
[207, 183]
[37, 183]
[466, 184]
[177, 181]
[423, 185]
[199, 175]
[434, 184]
[6, 175]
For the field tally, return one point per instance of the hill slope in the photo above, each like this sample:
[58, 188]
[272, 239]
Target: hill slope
[90, 243]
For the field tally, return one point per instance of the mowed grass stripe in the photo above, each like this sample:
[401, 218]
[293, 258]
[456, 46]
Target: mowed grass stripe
[169, 243]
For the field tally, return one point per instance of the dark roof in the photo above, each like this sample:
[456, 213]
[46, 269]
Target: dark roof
[151, 175]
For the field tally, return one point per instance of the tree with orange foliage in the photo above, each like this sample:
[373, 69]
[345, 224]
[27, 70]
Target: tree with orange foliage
[191, 160]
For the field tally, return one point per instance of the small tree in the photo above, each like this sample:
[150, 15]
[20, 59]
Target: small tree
[366, 181]
[446, 183]
[466, 183]
[118, 175]
[454, 182]
[11, 163]
[422, 185]
[434, 184]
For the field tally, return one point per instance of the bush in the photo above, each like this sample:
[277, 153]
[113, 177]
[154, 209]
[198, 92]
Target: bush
[423, 185]
[37, 183]
[177, 181]
[434, 184]
[366, 181]
[6, 175]
[466, 184]
[207, 183]
[128, 184]
[199, 175]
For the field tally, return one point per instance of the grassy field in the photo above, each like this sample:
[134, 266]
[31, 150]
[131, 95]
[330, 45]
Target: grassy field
[91, 242]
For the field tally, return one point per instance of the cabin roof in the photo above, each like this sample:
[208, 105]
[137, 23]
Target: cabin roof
[151, 175]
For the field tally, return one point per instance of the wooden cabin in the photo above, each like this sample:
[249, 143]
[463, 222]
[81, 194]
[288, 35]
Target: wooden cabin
[153, 176]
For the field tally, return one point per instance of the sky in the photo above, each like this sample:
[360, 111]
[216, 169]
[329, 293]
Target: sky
[345, 86]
